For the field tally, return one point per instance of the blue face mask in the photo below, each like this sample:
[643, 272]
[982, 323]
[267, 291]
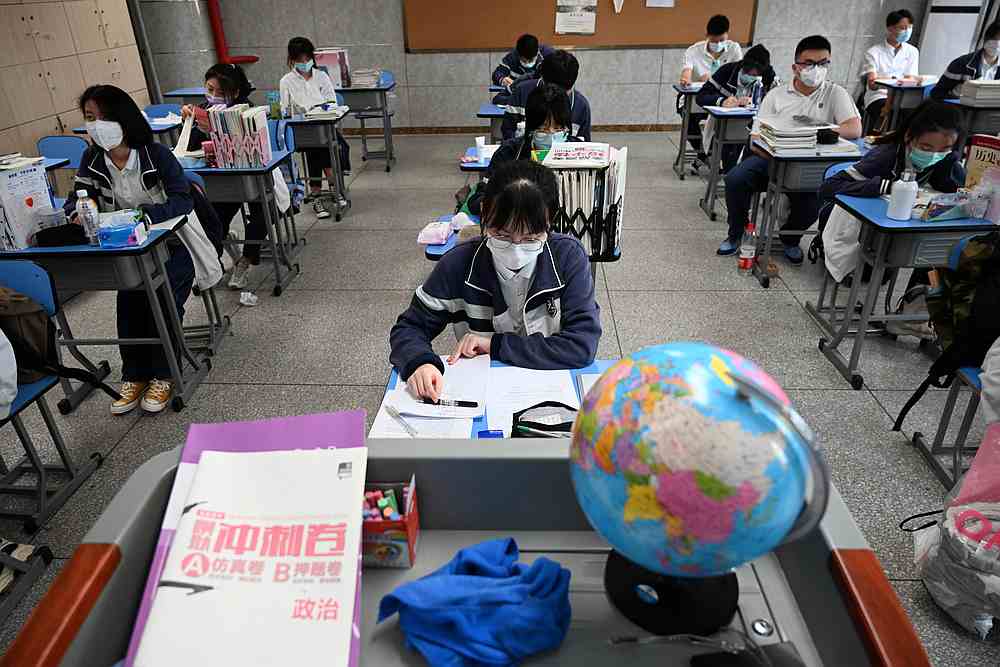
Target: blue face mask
[543, 141]
[305, 67]
[904, 36]
[925, 159]
[528, 65]
[748, 79]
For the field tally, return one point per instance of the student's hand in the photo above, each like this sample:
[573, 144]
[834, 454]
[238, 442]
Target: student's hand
[686, 79]
[507, 82]
[745, 101]
[187, 110]
[426, 382]
[704, 77]
[471, 345]
[731, 102]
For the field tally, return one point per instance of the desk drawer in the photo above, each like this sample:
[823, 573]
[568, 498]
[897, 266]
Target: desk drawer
[74, 274]
[804, 176]
[736, 131]
[925, 250]
[362, 100]
[311, 136]
[235, 188]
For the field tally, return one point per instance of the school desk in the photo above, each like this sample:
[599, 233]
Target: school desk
[434, 251]
[479, 166]
[884, 244]
[787, 174]
[902, 95]
[824, 599]
[495, 114]
[370, 104]
[732, 127]
[685, 156]
[976, 120]
[322, 133]
[192, 95]
[256, 184]
[85, 268]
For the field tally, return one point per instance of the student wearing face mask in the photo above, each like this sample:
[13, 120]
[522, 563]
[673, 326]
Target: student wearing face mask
[980, 64]
[228, 85]
[126, 168]
[547, 122]
[521, 294]
[522, 62]
[302, 88]
[739, 84]
[892, 58]
[561, 68]
[809, 94]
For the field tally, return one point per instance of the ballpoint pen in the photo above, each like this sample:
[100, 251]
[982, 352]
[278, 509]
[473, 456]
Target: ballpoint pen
[447, 402]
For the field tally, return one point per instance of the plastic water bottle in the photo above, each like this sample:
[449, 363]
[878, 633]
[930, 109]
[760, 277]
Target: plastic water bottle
[274, 105]
[88, 215]
[748, 250]
[904, 196]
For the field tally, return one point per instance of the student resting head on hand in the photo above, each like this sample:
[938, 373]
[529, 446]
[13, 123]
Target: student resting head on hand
[520, 293]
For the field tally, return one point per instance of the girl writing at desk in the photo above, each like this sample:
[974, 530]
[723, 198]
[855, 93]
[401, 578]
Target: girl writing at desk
[302, 88]
[125, 168]
[520, 294]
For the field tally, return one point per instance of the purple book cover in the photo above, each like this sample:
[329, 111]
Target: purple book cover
[319, 431]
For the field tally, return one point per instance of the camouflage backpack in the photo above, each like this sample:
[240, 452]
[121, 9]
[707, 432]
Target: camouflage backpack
[965, 312]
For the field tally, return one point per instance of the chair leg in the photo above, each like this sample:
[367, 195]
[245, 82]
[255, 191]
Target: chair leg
[56, 436]
[41, 492]
[364, 140]
[949, 408]
[963, 433]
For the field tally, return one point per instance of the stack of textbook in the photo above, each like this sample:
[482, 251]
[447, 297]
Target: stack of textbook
[788, 137]
[981, 93]
[240, 135]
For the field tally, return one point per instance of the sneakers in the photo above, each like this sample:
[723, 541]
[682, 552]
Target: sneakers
[131, 393]
[793, 254]
[727, 248]
[320, 210]
[157, 396]
[240, 275]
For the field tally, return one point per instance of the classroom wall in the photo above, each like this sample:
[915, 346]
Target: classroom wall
[625, 86]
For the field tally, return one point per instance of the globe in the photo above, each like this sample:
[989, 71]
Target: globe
[683, 470]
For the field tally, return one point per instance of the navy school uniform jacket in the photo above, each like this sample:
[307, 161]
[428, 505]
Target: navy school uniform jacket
[960, 70]
[158, 165]
[561, 316]
[511, 66]
[578, 104]
[725, 82]
[875, 173]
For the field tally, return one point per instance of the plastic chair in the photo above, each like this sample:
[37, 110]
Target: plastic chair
[62, 146]
[834, 169]
[195, 177]
[162, 110]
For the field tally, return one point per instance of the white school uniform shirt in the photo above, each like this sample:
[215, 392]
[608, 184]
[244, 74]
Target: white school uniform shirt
[987, 71]
[703, 64]
[830, 103]
[884, 59]
[306, 93]
[514, 286]
[126, 183]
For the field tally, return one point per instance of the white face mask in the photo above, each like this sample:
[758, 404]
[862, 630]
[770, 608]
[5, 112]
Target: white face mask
[514, 256]
[813, 76]
[716, 47]
[991, 47]
[106, 133]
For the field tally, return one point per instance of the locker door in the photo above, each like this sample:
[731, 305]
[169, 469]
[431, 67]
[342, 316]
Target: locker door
[16, 36]
[85, 25]
[117, 24]
[130, 66]
[65, 81]
[53, 38]
[26, 87]
[97, 68]
[32, 132]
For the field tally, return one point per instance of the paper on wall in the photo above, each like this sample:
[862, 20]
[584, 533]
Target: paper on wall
[659, 3]
[576, 17]
[618, 6]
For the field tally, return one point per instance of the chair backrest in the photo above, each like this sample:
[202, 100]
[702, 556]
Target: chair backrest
[31, 280]
[162, 110]
[837, 168]
[272, 130]
[63, 146]
[195, 177]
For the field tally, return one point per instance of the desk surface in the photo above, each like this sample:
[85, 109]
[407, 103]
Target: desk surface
[479, 423]
[872, 210]
[688, 90]
[478, 165]
[820, 155]
[194, 91]
[488, 110]
[302, 120]
[51, 163]
[277, 157]
[386, 81]
[156, 236]
[900, 85]
[983, 107]
[722, 113]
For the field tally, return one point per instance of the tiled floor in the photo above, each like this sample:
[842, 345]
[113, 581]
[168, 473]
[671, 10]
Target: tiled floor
[323, 345]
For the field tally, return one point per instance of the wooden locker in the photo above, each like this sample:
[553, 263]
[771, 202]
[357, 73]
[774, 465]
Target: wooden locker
[85, 25]
[6, 111]
[98, 68]
[117, 24]
[130, 67]
[18, 43]
[10, 141]
[35, 130]
[65, 81]
[26, 88]
[53, 38]
[141, 97]
[70, 120]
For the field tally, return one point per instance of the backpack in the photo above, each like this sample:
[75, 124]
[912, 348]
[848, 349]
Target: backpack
[33, 336]
[965, 312]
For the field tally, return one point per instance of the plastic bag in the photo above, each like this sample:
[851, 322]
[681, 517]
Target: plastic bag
[958, 558]
[434, 233]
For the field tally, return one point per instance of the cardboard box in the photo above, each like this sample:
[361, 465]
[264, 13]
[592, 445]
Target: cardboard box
[22, 191]
[392, 543]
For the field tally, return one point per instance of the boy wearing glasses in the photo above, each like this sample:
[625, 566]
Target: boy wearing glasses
[520, 294]
[809, 94]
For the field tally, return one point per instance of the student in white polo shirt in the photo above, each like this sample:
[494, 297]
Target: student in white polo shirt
[701, 60]
[808, 94]
[892, 58]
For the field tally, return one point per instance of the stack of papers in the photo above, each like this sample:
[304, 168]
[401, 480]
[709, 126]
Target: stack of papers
[328, 111]
[981, 92]
[365, 78]
[788, 137]
[16, 161]
[578, 154]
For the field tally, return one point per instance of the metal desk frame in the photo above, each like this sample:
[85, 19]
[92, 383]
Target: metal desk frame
[685, 156]
[495, 113]
[899, 99]
[883, 248]
[728, 132]
[251, 184]
[322, 133]
[976, 120]
[370, 100]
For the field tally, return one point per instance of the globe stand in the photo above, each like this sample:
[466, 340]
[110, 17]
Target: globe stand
[667, 605]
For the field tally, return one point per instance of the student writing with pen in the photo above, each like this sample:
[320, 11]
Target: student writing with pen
[520, 293]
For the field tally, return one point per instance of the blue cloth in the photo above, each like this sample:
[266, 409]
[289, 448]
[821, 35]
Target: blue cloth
[483, 608]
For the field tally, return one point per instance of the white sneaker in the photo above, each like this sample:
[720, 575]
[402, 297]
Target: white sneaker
[241, 275]
[320, 210]
[157, 396]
